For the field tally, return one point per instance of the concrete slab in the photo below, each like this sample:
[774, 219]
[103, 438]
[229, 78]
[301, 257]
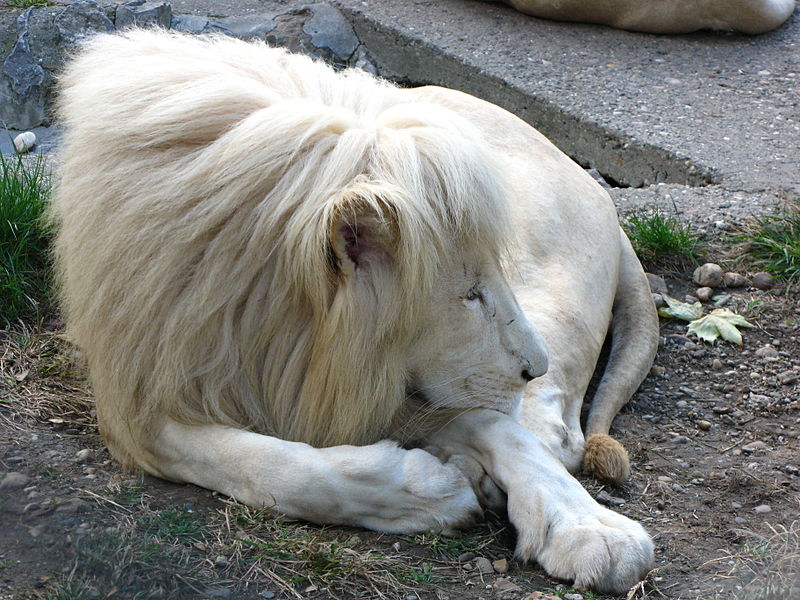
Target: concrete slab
[640, 108]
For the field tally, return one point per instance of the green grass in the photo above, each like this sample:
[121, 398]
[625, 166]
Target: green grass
[662, 238]
[24, 239]
[773, 242]
[181, 525]
[26, 3]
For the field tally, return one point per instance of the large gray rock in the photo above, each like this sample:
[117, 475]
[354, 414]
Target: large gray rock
[82, 20]
[143, 14]
[329, 30]
[23, 82]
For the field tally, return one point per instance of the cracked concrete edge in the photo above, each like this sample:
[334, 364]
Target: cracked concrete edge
[401, 55]
[34, 41]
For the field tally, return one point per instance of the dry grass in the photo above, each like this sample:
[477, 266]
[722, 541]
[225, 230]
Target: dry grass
[763, 568]
[300, 559]
[41, 378]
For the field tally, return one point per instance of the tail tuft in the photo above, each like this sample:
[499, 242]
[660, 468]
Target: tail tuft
[606, 458]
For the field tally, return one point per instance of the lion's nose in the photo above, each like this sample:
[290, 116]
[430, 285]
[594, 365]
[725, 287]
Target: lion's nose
[526, 375]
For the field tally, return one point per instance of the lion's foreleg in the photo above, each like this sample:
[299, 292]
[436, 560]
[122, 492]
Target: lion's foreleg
[558, 523]
[380, 486]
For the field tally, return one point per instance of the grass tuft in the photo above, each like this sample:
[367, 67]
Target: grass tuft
[26, 3]
[24, 239]
[661, 238]
[773, 242]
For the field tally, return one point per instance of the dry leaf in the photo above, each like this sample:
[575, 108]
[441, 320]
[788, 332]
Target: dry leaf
[719, 323]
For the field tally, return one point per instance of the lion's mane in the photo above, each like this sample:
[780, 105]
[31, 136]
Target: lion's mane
[200, 182]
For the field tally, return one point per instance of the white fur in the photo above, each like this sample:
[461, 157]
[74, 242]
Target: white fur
[263, 258]
[666, 16]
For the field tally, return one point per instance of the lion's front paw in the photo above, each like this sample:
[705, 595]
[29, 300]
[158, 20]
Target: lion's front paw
[420, 493]
[590, 546]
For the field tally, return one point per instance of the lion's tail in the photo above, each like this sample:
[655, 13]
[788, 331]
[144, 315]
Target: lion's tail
[634, 341]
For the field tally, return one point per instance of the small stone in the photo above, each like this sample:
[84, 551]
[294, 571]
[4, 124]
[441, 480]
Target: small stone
[506, 586]
[84, 455]
[14, 480]
[736, 505]
[70, 507]
[466, 557]
[396, 546]
[657, 371]
[659, 301]
[216, 591]
[267, 594]
[500, 565]
[681, 404]
[763, 281]
[24, 142]
[740, 520]
[703, 425]
[680, 439]
[721, 300]
[540, 596]
[657, 284]
[221, 561]
[767, 352]
[572, 596]
[708, 275]
[704, 293]
[762, 509]
[484, 565]
[603, 497]
[411, 597]
[785, 378]
[735, 280]
[754, 447]
[717, 365]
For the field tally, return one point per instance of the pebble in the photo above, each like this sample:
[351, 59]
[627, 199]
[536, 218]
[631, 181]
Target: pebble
[704, 293]
[754, 447]
[221, 561]
[215, 591]
[680, 439]
[540, 596]
[14, 480]
[84, 455]
[704, 425]
[657, 284]
[735, 280]
[603, 497]
[786, 378]
[721, 300]
[763, 281]
[484, 565]
[658, 371]
[24, 142]
[506, 586]
[717, 365]
[762, 509]
[658, 300]
[467, 556]
[500, 565]
[267, 594]
[767, 352]
[740, 520]
[708, 275]
[572, 596]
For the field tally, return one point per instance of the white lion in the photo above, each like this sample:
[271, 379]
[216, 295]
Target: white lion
[665, 16]
[273, 269]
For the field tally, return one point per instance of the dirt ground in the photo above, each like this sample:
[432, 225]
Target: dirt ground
[713, 437]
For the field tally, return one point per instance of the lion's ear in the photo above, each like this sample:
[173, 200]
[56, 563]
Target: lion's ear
[362, 235]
